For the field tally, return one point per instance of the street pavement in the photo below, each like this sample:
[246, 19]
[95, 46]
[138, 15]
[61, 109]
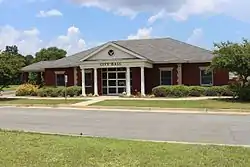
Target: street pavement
[190, 127]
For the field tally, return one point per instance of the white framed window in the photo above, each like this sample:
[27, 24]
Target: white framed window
[206, 77]
[60, 78]
[166, 76]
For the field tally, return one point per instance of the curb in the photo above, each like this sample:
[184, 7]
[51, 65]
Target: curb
[139, 109]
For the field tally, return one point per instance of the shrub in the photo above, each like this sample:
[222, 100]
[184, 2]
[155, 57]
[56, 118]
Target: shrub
[74, 91]
[171, 91]
[59, 91]
[160, 91]
[196, 91]
[27, 90]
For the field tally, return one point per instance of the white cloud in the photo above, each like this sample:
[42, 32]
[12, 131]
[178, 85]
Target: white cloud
[71, 42]
[29, 41]
[196, 37]
[133, 6]
[49, 13]
[143, 33]
[177, 9]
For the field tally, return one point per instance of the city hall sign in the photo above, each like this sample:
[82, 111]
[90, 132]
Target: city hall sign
[111, 64]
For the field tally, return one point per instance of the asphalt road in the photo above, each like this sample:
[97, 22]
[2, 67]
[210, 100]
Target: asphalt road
[219, 129]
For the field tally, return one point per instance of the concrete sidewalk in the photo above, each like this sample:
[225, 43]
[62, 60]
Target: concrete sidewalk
[116, 98]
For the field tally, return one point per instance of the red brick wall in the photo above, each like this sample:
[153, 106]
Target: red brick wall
[50, 77]
[136, 79]
[152, 76]
[190, 76]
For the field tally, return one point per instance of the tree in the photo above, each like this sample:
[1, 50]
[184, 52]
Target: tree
[28, 59]
[10, 68]
[52, 53]
[11, 49]
[233, 57]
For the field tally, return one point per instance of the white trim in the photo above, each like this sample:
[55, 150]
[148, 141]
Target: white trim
[59, 72]
[167, 69]
[95, 82]
[142, 81]
[203, 69]
[128, 84]
[115, 46]
[121, 63]
[83, 83]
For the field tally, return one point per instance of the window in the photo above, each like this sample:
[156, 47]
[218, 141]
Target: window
[60, 80]
[88, 78]
[166, 76]
[206, 78]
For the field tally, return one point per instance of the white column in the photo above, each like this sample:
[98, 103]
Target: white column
[179, 74]
[83, 83]
[95, 82]
[142, 82]
[128, 89]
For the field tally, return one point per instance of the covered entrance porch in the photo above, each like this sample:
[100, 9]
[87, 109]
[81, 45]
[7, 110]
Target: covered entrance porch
[112, 66]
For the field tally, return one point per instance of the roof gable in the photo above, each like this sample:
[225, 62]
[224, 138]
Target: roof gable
[102, 53]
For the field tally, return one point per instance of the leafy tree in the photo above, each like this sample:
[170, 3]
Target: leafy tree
[11, 49]
[234, 57]
[10, 64]
[29, 59]
[51, 53]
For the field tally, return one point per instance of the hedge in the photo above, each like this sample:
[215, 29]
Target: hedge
[187, 91]
[31, 90]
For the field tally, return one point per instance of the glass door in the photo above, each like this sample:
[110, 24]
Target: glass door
[114, 81]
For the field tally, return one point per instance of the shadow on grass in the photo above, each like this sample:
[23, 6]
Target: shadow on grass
[231, 100]
[7, 99]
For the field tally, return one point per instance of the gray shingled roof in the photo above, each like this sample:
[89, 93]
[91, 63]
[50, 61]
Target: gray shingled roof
[37, 67]
[159, 50]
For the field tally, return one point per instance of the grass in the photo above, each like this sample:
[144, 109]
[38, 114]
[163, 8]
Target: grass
[9, 101]
[18, 149]
[210, 104]
[11, 88]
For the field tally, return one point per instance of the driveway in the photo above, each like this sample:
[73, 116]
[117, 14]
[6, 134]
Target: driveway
[219, 129]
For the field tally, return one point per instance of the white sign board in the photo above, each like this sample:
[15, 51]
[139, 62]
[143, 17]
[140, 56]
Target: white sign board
[66, 79]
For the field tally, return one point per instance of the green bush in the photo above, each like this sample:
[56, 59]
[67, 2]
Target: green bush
[171, 91]
[195, 91]
[27, 90]
[59, 91]
[74, 91]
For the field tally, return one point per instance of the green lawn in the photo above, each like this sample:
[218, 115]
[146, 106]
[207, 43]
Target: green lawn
[11, 88]
[5, 101]
[211, 104]
[34, 150]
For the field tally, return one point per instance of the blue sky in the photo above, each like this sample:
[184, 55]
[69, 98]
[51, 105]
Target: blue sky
[76, 25]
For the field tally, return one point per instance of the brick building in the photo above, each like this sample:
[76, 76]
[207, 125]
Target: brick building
[131, 66]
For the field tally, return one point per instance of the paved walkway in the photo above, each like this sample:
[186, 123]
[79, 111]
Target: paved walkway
[198, 128]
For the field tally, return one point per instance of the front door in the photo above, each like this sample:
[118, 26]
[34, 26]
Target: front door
[114, 81]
